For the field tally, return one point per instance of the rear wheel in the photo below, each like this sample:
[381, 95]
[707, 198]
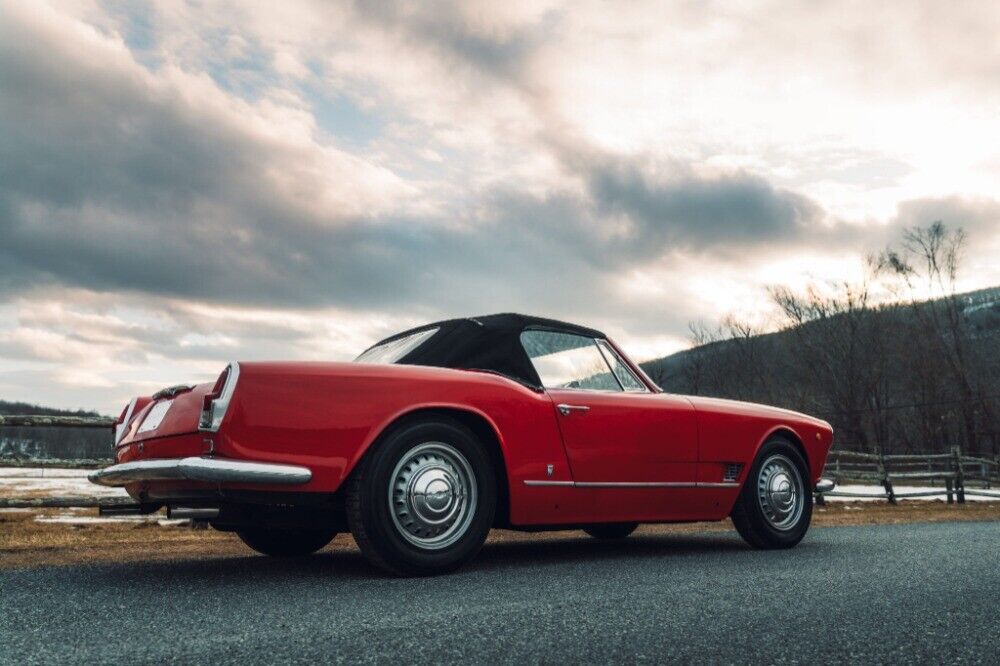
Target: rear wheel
[422, 501]
[775, 505]
[611, 531]
[285, 543]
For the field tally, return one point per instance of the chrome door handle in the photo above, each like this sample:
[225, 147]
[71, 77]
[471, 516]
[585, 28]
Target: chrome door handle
[566, 410]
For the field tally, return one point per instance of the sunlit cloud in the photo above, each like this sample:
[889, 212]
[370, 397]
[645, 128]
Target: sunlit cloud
[187, 183]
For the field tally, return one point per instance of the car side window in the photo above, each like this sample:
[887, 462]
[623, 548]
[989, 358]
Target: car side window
[624, 374]
[564, 360]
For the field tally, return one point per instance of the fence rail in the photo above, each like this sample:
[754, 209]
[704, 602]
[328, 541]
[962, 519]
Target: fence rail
[960, 475]
[42, 421]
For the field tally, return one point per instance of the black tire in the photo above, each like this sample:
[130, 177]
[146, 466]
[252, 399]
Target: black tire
[760, 527]
[380, 526]
[611, 531]
[285, 543]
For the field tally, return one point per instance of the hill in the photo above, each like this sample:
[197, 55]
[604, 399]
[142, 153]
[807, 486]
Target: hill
[897, 377]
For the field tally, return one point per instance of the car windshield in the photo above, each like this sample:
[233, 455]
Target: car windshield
[393, 350]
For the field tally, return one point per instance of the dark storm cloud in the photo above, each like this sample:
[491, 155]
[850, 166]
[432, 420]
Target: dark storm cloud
[697, 213]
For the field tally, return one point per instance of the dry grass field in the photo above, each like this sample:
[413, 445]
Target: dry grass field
[30, 538]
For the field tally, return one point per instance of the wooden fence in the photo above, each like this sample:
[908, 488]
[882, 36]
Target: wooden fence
[958, 475]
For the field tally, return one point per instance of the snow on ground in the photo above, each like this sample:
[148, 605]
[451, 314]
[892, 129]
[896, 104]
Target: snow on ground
[71, 519]
[43, 472]
[874, 493]
[26, 482]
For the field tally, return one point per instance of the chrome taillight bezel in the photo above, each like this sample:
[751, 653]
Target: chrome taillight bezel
[215, 406]
[121, 428]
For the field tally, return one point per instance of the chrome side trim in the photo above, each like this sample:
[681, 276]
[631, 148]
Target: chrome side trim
[635, 484]
[531, 482]
[212, 470]
[630, 484]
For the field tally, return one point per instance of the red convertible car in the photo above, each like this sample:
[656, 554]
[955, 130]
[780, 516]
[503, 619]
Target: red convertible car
[435, 435]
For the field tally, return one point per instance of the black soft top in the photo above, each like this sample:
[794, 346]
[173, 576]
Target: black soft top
[490, 342]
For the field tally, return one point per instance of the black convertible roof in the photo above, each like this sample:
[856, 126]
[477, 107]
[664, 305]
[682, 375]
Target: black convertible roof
[491, 343]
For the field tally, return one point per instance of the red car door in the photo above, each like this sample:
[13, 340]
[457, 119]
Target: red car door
[623, 438]
[633, 454]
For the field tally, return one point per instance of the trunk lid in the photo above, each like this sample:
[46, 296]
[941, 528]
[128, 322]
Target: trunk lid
[172, 411]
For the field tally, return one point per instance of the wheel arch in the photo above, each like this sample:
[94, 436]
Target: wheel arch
[481, 425]
[788, 434]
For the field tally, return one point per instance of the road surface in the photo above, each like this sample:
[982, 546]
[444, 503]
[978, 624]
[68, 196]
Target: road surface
[926, 592]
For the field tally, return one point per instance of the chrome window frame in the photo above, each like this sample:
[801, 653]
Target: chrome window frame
[607, 348]
[599, 343]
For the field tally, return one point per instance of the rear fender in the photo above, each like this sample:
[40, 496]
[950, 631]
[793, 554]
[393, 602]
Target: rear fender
[414, 411]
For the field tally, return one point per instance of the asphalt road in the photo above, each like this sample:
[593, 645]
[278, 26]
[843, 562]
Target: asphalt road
[926, 592]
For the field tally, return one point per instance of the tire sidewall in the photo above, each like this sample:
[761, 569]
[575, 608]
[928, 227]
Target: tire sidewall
[774, 537]
[375, 509]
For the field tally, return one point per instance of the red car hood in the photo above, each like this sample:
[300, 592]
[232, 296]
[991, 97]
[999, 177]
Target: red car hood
[738, 408]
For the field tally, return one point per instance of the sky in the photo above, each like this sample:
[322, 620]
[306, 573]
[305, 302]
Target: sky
[184, 184]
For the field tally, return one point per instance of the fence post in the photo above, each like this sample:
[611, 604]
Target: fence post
[956, 456]
[886, 483]
[948, 488]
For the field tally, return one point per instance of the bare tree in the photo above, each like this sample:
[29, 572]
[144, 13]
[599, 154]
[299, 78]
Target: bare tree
[930, 257]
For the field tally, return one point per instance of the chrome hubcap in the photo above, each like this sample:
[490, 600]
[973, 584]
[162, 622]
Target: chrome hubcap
[432, 496]
[780, 492]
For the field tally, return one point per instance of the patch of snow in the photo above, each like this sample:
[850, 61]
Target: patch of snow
[67, 519]
[75, 486]
[877, 493]
[42, 472]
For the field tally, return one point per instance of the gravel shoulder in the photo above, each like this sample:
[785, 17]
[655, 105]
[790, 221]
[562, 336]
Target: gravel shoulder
[31, 538]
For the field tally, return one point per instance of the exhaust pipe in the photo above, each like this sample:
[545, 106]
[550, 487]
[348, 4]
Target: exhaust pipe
[127, 509]
[204, 513]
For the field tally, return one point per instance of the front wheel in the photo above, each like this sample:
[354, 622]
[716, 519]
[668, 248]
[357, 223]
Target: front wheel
[775, 506]
[285, 543]
[422, 501]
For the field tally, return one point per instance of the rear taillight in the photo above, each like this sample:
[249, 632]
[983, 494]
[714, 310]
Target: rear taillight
[216, 402]
[123, 421]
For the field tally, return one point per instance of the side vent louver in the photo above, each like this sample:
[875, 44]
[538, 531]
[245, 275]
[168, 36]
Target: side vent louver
[732, 471]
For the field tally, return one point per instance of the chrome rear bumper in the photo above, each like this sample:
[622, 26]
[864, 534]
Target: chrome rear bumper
[212, 470]
[824, 486]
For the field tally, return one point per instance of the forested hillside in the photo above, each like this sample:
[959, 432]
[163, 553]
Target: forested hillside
[895, 374]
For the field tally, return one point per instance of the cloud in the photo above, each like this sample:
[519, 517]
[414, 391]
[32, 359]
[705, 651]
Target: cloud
[699, 212]
[181, 183]
[160, 182]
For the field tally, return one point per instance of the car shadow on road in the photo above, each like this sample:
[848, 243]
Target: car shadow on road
[549, 551]
[346, 563]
